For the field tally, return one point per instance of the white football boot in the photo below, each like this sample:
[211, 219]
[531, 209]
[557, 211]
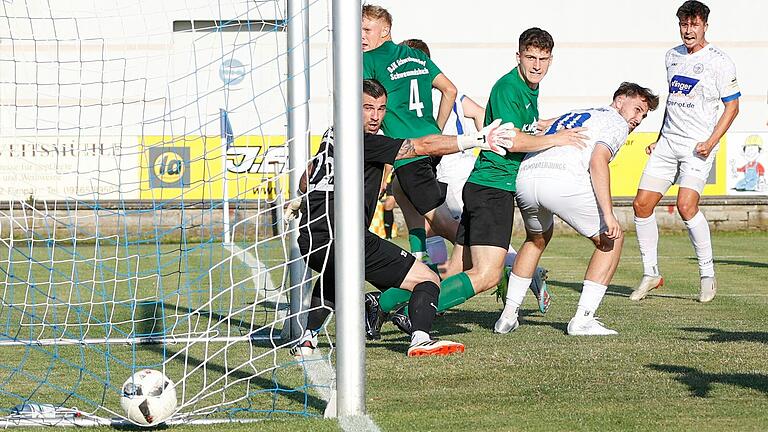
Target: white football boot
[708, 289]
[647, 283]
[588, 326]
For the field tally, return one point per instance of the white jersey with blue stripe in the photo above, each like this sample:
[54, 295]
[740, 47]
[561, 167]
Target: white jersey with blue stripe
[605, 126]
[698, 82]
[457, 123]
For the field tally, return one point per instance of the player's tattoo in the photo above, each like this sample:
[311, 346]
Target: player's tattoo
[407, 150]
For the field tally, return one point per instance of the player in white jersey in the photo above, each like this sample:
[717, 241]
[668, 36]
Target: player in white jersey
[453, 170]
[466, 117]
[574, 184]
[700, 77]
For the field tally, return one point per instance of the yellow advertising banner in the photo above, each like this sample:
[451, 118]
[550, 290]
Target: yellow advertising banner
[192, 168]
[628, 166]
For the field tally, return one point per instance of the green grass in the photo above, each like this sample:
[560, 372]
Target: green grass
[675, 365]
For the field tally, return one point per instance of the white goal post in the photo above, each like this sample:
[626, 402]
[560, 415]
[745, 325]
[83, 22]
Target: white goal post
[147, 149]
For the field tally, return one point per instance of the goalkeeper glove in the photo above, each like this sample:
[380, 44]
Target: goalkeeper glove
[292, 210]
[495, 137]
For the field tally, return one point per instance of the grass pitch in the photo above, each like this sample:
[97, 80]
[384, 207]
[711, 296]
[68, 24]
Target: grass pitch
[675, 365]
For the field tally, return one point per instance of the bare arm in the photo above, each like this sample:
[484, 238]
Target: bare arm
[601, 184]
[730, 112]
[430, 145]
[543, 125]
[473, 111]
[525, 143]
[496, 137]
[448, 90]
[649, 149]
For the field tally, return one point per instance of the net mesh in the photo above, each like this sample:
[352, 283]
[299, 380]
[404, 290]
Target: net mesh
[115, 207]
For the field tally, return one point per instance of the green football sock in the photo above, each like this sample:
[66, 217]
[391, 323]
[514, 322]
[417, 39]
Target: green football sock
[454, 291]
[417, 238]
[393, 298]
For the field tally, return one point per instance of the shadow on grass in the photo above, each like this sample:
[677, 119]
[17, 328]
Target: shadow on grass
[399, 346]
[741, 263]
[133, 427]
[613, 289]
[452, 323]
[717, 335]
[560, 326]
[455, 321]
[700, 383]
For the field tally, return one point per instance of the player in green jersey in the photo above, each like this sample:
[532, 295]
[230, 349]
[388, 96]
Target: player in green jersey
[486, 223]
[409, 76]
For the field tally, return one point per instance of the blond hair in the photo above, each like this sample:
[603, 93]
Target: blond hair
[375, 13]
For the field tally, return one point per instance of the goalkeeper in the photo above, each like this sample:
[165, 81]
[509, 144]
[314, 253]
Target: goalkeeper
[386, 265]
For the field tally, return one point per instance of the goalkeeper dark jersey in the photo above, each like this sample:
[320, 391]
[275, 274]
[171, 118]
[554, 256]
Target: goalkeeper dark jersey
[378, 150]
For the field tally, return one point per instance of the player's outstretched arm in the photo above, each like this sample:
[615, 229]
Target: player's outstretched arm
[525, 143]
[449, 92]
[730, 112]
[601, 184]
[496, 137]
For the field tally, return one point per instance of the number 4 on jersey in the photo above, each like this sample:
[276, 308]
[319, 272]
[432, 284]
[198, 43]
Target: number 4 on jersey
[414, 102]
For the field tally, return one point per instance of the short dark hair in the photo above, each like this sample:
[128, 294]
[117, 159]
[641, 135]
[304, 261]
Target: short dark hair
[375, 13]
[692, 9]
[417, 44]
[535, 37]
[631, 90]
[373, 88]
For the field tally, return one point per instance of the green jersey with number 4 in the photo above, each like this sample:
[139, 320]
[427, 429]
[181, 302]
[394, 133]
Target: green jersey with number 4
[407, 75]
[511, 100]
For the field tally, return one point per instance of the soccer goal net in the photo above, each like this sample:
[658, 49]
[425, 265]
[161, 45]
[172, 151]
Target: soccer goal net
[143, 167]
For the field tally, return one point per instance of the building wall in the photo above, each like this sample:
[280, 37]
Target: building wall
[598, 44]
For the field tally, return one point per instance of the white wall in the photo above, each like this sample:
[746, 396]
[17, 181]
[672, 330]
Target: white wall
[598, 44]
[82, 70]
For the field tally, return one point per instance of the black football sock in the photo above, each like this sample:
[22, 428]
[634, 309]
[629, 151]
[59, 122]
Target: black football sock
[317, 315]
[389, 220]
[423, 306]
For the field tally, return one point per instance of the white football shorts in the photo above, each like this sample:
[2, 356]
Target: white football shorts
[673, 162]
[539, 198]
[454, 170]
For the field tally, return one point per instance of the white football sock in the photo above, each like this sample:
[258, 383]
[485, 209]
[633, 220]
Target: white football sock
[418, 337]
[591, 296]
[516, 290]
[698, 231]
[437, 250]
[509, 260]
[648, 240]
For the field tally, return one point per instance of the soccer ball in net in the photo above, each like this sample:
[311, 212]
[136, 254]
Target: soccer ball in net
[149, 397]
